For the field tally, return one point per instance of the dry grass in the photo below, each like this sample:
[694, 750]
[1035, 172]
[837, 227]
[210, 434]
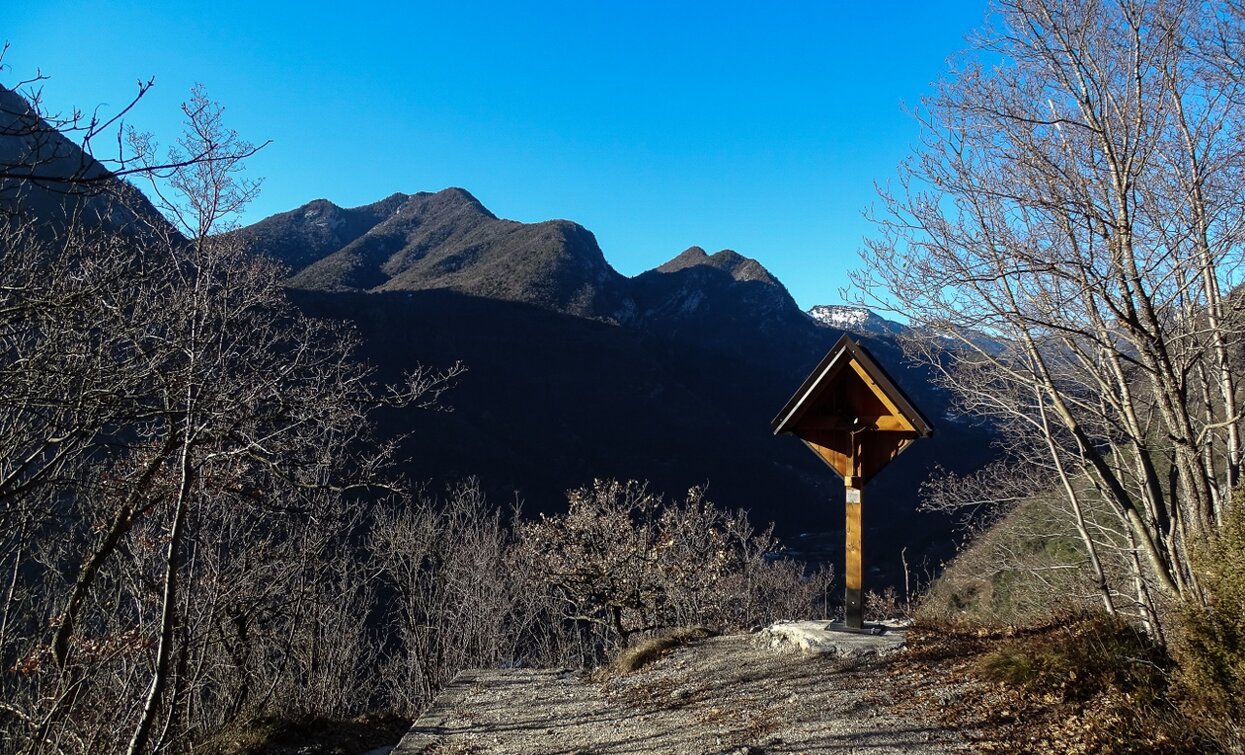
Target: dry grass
[1081, 658]
[1085, 684]
[650, 649]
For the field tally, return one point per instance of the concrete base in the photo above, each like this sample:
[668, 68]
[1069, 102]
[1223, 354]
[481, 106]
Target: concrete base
[826, 638]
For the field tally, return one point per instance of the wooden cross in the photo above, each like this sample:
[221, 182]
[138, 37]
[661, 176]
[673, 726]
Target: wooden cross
[856, 419]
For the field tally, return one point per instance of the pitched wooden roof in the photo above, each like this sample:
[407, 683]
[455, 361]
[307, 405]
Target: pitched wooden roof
[851, 414]
[820, 380]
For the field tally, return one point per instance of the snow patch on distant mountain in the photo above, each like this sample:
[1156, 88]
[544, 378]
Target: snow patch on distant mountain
[861, 321]
[852, 319]
[840, 316]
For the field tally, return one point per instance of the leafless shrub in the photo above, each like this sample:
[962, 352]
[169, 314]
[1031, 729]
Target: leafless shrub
[624, 561]
[779, 589]
[456, 602]
[881, 606]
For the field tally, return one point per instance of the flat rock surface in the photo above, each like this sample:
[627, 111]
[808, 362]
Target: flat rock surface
[724, 695]
[822, 637]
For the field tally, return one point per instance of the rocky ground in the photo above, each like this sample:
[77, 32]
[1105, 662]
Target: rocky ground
[737, 695]
[718, 695]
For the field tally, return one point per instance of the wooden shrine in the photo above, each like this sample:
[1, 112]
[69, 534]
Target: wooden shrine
[852, 415]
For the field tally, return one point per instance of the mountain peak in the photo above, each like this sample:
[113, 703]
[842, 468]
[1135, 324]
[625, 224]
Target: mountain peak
[317, 207]
[457, 193]
[449, 200]
[729, 261]
[440, 240]
[693, 255]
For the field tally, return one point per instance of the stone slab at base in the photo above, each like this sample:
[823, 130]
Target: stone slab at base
[822, 638]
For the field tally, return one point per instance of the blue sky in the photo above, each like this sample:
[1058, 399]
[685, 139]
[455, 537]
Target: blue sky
[760, 127]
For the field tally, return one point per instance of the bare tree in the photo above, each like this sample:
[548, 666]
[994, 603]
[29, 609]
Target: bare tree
[1076, 197]
[176, 436]
[461, 600]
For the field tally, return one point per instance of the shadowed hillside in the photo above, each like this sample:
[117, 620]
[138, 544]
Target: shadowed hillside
[576, 372]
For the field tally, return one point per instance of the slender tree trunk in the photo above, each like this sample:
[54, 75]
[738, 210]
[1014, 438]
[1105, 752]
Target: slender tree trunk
[1214, 300]
[122, 522]
[1074, 500]
[1145, 598]
[168, 606]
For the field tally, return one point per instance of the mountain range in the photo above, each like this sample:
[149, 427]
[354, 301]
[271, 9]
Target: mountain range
[577, 372]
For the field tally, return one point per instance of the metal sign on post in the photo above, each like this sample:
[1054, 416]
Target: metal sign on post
[856, 419]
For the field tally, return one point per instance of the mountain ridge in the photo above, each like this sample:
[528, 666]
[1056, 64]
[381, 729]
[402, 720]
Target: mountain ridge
[448, 239]
[576, 371]
[439, 240]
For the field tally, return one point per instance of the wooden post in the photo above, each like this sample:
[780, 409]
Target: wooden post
[854, 606]
[850, 413]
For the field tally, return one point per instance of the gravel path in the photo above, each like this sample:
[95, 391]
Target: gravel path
[721, 695]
